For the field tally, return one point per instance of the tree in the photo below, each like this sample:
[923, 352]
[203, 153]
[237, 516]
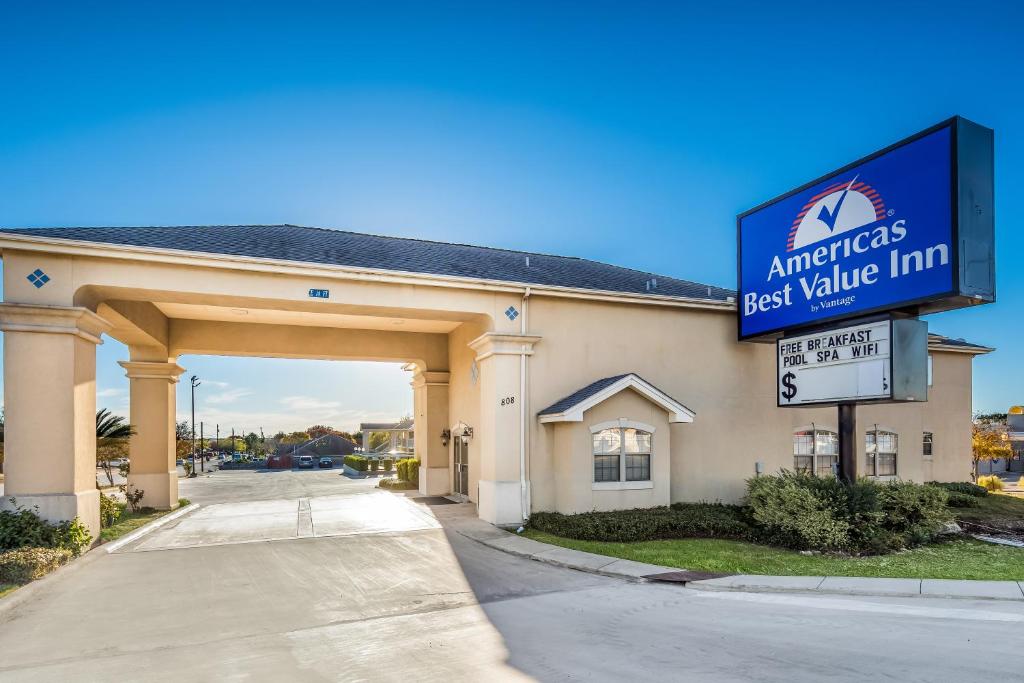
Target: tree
[182, 440]
[253, 444]
[112, 432]
[378, 439]
[316, 431]
[990, 418]
[987, 444]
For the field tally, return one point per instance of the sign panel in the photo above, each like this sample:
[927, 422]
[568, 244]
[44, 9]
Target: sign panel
[888, 232]
[885, 360]
[320, 293]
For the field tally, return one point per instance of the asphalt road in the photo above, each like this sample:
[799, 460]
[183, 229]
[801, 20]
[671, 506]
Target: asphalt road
[310, 576]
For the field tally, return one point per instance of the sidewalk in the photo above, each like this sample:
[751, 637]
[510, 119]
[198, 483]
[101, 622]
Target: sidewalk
[834, 585]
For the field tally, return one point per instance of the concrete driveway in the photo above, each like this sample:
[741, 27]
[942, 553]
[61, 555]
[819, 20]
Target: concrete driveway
[379, 587]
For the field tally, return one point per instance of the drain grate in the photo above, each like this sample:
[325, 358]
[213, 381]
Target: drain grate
[684, 576]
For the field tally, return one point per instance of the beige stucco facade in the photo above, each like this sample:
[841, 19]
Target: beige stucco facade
[472, 371]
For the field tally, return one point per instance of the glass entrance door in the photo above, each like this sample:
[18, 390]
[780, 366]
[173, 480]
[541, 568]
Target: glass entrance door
[460, 485]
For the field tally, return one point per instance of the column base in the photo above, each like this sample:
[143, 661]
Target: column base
[434, 481]
[60, 507]
[160, 489]
[500, 503]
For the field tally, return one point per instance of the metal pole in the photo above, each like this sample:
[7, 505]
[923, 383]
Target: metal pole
[202, 447]
[847, 442]
[193, 424]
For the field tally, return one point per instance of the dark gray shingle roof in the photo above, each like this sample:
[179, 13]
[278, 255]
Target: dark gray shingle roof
[356, 250]
[564, 404]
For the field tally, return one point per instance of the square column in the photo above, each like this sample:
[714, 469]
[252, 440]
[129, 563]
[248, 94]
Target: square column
[430, 407]
[50, 403]
[152, 448]
[498, 439]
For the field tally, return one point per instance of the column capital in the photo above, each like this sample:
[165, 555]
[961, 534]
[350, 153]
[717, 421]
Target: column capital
[495, 344]
[151, 370]
[73, 320]
[429, 378]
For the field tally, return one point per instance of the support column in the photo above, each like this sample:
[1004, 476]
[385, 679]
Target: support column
[50, 405]
[498, 438]
[152, 448]
[430, 408]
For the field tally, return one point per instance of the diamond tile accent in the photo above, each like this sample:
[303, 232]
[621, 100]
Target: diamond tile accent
[38, 278]
[511, 313]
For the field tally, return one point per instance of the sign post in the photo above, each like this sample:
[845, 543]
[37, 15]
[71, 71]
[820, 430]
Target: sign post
[847, 442]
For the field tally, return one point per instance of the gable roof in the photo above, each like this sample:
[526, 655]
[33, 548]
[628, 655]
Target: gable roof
[572, 407]
[938, 341]
[321, 246]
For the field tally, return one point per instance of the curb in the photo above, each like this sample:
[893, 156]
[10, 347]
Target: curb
[602, 565]
[147, 528]
[605, 565]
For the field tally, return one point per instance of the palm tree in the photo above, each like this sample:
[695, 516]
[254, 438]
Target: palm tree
[111, 431]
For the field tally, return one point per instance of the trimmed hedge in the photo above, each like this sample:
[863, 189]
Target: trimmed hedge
[387, 464]
[682, 520]
[28, 564]
[357, 462]
[374, 465]
[396, 484]
[962, 487]
[962, 500]
[409, 470]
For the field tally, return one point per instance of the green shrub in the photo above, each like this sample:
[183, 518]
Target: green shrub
[395, 484]
[963, 500]
[822, 513]
[913, 512]
[357, 462]
[29, 563]
[961, 487]
[797, 511]
[110, 511]
[409, 470]
[991, 482]
[23, 527]
[387, 464]
[374, 465]
[682, 520]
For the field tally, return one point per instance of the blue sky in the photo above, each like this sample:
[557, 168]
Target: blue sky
[629, 133]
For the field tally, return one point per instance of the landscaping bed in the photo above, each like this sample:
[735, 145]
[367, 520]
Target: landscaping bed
[128, 522]
[794, 524]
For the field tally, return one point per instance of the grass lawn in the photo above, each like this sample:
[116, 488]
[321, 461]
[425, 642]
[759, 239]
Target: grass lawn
[130, 521]
[6, 588]
[999, 510]
[958, 559]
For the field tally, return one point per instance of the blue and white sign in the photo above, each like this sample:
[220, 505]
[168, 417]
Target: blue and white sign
[320, 293]
[878, 235]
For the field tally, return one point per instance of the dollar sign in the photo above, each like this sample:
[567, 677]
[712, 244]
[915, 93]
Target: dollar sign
[787, 381]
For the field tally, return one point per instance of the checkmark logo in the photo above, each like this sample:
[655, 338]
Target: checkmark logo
[829, 217]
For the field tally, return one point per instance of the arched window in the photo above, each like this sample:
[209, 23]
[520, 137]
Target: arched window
[622, 454]
[880, 450]
[815, 451]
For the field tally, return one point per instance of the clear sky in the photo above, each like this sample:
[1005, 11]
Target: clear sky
[631, 133]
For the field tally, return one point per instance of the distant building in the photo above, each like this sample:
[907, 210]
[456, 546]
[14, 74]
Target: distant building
[400, 436]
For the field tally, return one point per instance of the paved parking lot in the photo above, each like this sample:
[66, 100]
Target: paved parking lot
[366, 585]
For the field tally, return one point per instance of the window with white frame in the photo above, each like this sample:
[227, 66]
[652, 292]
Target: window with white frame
[815, 451]
[622, 454]
[880, 451]
[926, 445]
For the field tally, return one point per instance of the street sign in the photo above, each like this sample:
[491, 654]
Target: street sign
[881, 361]
[909, 228]
[320, 293]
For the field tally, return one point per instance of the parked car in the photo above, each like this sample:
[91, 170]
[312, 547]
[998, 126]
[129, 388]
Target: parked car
[179, 461]
[305, 461]
[326, 462]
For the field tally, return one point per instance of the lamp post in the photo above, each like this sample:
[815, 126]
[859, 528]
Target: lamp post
[195, 383]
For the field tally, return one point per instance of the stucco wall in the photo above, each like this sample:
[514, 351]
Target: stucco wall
[693, 356]
[572, 455]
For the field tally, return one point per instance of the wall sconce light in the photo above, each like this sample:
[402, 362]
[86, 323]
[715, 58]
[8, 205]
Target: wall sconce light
[446, 436]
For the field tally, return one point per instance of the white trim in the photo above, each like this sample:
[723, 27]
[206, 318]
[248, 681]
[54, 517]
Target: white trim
[17, 242]
[622, 485]
[677, 412]
[622, 423]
